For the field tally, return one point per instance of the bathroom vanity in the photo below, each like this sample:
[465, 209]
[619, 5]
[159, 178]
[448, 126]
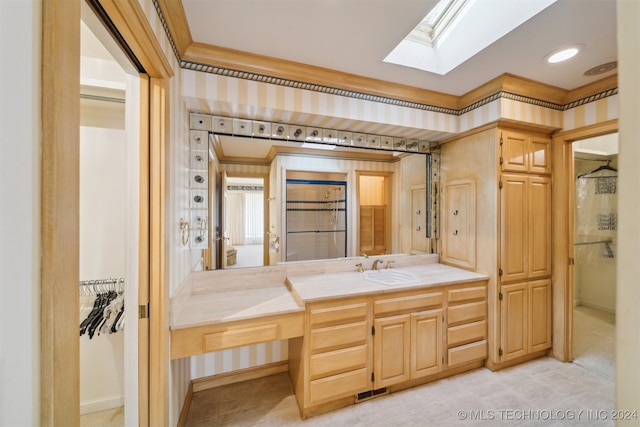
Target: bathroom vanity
[352, 334]
[363, 337]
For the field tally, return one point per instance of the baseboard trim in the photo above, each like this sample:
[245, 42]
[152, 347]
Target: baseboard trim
[182, 421]
[597, 307]
[97, 405]
[219, 380]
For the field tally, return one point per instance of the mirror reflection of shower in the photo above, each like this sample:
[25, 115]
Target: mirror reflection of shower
[315, 219]
[335, 194]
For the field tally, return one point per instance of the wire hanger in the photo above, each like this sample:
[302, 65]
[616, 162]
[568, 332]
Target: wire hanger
[598, 169]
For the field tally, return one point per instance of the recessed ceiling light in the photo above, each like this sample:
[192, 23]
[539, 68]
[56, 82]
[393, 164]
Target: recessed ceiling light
[563, 54]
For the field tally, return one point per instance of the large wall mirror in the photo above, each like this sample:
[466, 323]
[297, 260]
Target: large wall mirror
[280, 193]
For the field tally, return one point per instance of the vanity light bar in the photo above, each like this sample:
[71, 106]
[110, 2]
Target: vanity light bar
[297, 133]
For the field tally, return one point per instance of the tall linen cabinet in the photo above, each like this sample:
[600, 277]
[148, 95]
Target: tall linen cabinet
[496, 204]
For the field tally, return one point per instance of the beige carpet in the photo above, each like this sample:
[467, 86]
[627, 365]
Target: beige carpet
[109, 418]
[543, 392]
[594, 344]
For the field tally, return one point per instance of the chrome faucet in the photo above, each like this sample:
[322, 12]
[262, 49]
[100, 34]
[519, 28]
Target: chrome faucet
[375, 264]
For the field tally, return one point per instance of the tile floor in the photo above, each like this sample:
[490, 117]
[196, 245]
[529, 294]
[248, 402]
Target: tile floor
[543, 392]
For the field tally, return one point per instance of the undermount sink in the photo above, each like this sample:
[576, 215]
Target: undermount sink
[390, 277]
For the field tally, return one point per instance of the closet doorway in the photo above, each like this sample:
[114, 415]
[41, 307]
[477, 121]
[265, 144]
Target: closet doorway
[244, 221]
[374, 216]
[594, 253]
[108, 225]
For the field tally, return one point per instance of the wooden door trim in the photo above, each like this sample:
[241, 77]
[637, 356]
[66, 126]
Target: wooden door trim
[143, 252]
[59, 215]
[562, 231]
[59, 271]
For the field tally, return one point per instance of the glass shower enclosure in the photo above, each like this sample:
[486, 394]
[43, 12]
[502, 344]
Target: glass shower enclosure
[316, 219]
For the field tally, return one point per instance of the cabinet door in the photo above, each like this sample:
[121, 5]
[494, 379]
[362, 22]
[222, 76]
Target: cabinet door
[391, 350]
[515, 150]
[539, 210]
[539, 315]
[523, 152]
[514, 228]
[426, 343]
[514, 321]
[540, 154]
[459, 217]
[373, 229]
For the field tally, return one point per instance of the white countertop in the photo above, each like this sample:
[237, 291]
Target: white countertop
[226, 296]
[313, 288]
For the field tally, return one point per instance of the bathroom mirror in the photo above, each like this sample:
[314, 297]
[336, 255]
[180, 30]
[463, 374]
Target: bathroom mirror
[275, 201]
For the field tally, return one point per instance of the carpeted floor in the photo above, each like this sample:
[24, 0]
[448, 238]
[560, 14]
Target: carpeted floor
[109, 418]
[594, 334]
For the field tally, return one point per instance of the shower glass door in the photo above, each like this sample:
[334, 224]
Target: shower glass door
[316, 219]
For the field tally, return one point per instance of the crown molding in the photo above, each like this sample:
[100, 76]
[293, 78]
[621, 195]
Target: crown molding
[233, 63]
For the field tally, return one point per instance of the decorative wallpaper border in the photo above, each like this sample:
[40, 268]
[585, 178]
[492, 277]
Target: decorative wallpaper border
[189, 65]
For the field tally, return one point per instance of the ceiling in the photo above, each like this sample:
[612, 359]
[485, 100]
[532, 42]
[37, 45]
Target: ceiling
[354, 36]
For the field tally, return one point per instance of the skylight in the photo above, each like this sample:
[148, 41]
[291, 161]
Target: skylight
[437, 21]
[455, 30]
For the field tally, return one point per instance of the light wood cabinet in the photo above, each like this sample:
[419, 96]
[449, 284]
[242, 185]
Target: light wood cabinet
[525, 318]
[407, 345]
[426, 343]
[358, 347]
[525, 247]
[391, 350]
[466, 324]
[338, 336]
[525, 219]
[459, 223]
[512, 169]
[525, 152]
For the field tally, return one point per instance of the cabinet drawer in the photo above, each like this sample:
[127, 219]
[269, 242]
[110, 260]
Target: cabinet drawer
[332, 362]
[337, 386]
[342, 314]
[408, 303]
[338, 336]
[470, 312]
[466, 294]
[239, 337]
[466, 333]
[467, 353]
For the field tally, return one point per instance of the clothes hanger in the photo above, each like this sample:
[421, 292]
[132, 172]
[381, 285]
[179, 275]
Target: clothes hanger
[600, 168]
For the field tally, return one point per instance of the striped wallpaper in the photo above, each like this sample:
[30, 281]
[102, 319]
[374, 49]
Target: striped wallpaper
[234, 97]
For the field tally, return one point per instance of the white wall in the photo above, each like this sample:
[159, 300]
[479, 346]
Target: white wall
[20, 24]
[103, 238]
[628, 286]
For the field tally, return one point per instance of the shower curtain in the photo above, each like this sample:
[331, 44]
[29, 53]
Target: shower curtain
[595, 239]
[596, 215]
